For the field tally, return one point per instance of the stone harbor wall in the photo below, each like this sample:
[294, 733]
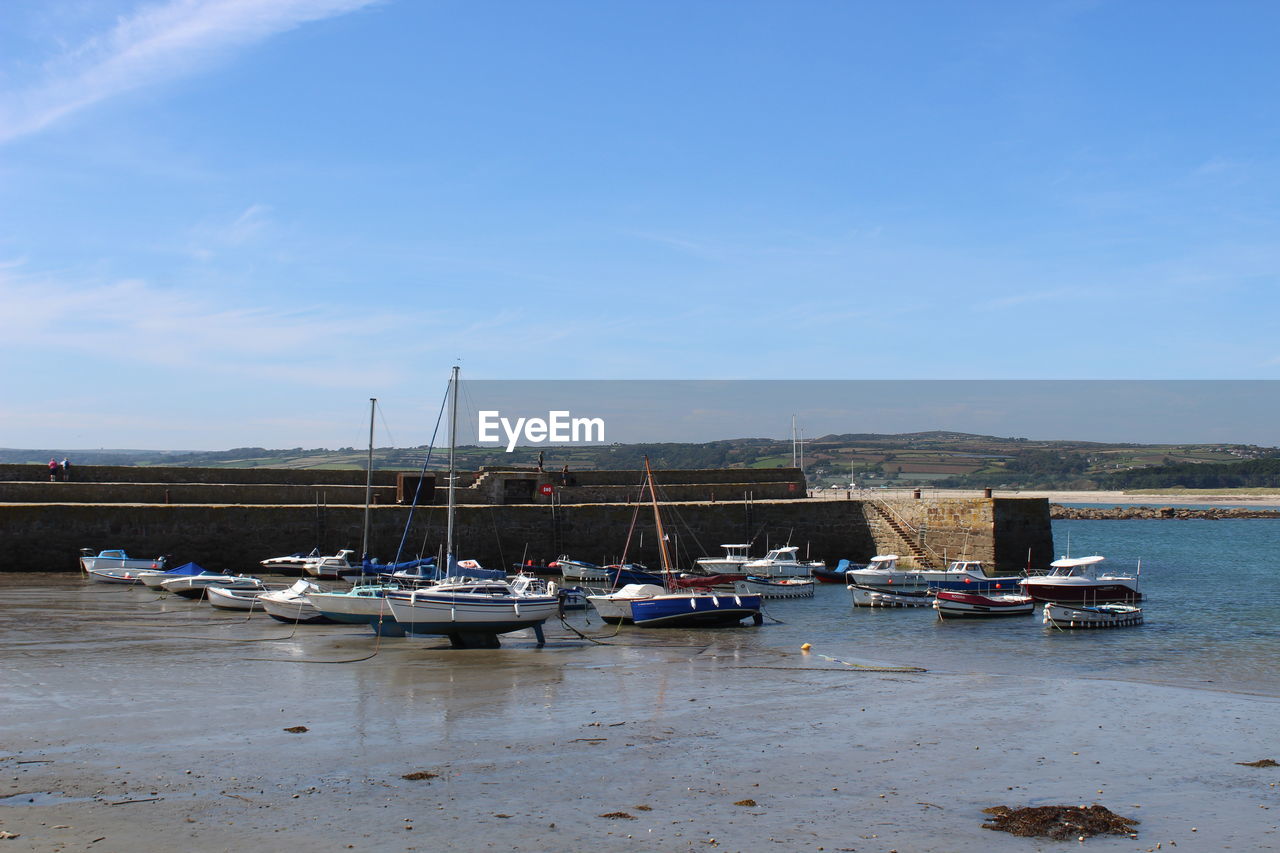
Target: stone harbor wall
[48, 536]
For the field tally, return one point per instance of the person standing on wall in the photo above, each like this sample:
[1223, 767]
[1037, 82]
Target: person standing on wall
[66, 470]
[53, 470]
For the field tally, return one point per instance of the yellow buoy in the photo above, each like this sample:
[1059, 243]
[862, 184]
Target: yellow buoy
[805, 647]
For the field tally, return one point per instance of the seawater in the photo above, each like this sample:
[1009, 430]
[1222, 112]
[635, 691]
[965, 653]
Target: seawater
[1211, 605]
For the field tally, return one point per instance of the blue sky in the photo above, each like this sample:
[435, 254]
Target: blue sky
[231, 222]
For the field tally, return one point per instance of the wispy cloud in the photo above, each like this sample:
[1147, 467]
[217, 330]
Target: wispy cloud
[155, 45]
[133, 321]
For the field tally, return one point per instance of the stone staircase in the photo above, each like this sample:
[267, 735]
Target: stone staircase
[908, 541]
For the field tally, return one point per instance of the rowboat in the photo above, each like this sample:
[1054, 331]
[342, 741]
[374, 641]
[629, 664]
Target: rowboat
[950, 603]
[1092, 616]
[871, 596]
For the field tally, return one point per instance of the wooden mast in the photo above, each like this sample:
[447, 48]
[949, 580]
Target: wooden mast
[667, 568]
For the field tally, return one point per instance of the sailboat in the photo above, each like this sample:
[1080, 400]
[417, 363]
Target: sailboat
[364, 603]
[472, 612]
[652, 606]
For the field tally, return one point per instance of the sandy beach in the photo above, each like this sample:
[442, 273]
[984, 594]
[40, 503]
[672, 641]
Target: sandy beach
[165, 728]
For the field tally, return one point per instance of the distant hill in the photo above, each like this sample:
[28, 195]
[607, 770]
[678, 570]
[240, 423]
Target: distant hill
[935, 458]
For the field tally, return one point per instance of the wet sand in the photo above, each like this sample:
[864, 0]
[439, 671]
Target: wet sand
[161, 726]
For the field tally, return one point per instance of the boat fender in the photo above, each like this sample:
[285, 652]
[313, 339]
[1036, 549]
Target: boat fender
[552, 589]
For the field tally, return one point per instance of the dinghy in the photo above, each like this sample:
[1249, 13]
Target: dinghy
[1092, 616]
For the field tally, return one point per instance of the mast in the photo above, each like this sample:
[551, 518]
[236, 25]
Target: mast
[664, 556]
[453, 437]
[368, 485]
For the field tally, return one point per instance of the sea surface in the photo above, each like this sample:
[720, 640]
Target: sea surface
[1211, 606]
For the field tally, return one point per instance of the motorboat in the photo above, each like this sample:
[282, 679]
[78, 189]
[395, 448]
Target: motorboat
[952, 602]
[194, 586]
[779, 563]
[580, 570]
[874, 596]
[735, 557]
[292, 605]
[964, 575]
[293, 564]
[472, 613]
[1079, 580]
[155, 580]
[332, 567]
[1068, 616]
[117, 559]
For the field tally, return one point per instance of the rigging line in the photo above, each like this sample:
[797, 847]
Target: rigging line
[422, 473]
[386, 428]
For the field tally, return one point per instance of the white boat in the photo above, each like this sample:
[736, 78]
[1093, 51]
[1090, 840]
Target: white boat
[194, 586]
[122, 576]
[227, 598]
[155, 580]
[1079, 580]
[291, 605]
[117, 559]
[951, 603]
[471, 612]
[616, 606]
[579, 570]
[871, 596]
[963, 575]
[1091, 616]
[775, 587]
[292, 564]
[779, 563]
[364, 604]
[332, 567]
[735, 557]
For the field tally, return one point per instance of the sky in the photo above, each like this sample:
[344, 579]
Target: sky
[230, 223]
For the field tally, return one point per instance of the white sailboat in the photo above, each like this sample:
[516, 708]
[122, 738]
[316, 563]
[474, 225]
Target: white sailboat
[471, 613]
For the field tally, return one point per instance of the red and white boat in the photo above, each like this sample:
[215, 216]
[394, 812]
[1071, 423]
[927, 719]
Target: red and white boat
[950, 603]
[1078, 580]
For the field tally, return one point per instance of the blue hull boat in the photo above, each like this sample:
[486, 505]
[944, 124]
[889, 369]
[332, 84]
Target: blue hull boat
[696, 610]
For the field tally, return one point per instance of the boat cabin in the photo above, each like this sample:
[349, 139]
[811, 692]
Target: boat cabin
[883, 563]
[1075, 567]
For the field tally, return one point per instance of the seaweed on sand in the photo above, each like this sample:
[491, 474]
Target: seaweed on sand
[1059, 822]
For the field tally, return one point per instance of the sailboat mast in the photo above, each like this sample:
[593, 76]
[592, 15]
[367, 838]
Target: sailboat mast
[665, 557]
[368, 483]
[453, 440]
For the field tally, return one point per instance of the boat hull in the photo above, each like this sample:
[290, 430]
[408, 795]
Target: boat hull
[447, 614]
[1101, 592]
[869, 596]
[973, 606]
[233, 599]
[1068, 616]
[780, 588]
[695, 611]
